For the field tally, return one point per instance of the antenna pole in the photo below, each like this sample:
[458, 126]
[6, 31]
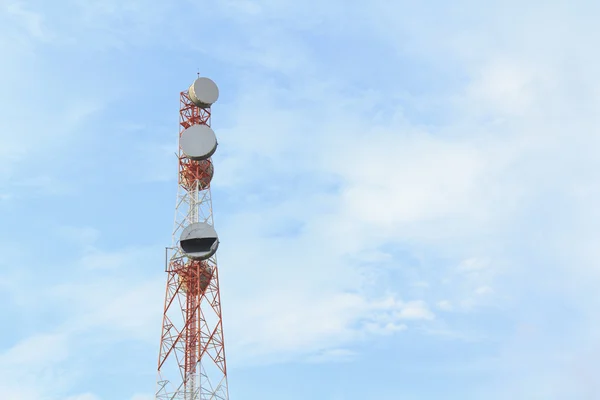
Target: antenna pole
[191, 363]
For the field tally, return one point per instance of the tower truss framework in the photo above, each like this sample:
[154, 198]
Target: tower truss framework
[191, 362]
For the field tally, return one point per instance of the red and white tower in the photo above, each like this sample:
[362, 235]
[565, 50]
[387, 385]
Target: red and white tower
[191, 362]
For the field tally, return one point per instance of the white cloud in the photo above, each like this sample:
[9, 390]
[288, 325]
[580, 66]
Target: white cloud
[473, 265]
[89, 309]
[31, 369]
[296, 323]
[401, 180]
[482, 290]
[415, 310]
[22, 168]
[41, 348]
[445, 305]
[505, 88]
[22, 26]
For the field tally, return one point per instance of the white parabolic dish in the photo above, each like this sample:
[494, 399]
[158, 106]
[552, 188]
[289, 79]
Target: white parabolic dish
[203, 92]
[199, 241]
[198, 142]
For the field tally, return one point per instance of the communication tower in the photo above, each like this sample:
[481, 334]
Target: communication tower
[191, 362]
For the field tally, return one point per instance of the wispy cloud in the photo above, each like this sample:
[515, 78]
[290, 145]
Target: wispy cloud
[365, 150]
[87, 310]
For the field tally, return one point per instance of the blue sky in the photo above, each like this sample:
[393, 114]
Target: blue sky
[406, 195]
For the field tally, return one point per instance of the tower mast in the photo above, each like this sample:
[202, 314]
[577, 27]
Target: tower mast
[191, 362]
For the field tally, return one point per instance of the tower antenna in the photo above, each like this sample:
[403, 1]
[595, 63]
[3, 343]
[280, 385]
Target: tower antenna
[191, 361]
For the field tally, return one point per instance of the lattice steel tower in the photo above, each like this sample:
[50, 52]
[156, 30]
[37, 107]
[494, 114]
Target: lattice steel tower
[191, 362]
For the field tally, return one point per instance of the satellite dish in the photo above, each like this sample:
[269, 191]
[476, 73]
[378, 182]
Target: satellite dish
[203, 92]
[195, 277]
[199, 241]
[198, 142]
[197, 173]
